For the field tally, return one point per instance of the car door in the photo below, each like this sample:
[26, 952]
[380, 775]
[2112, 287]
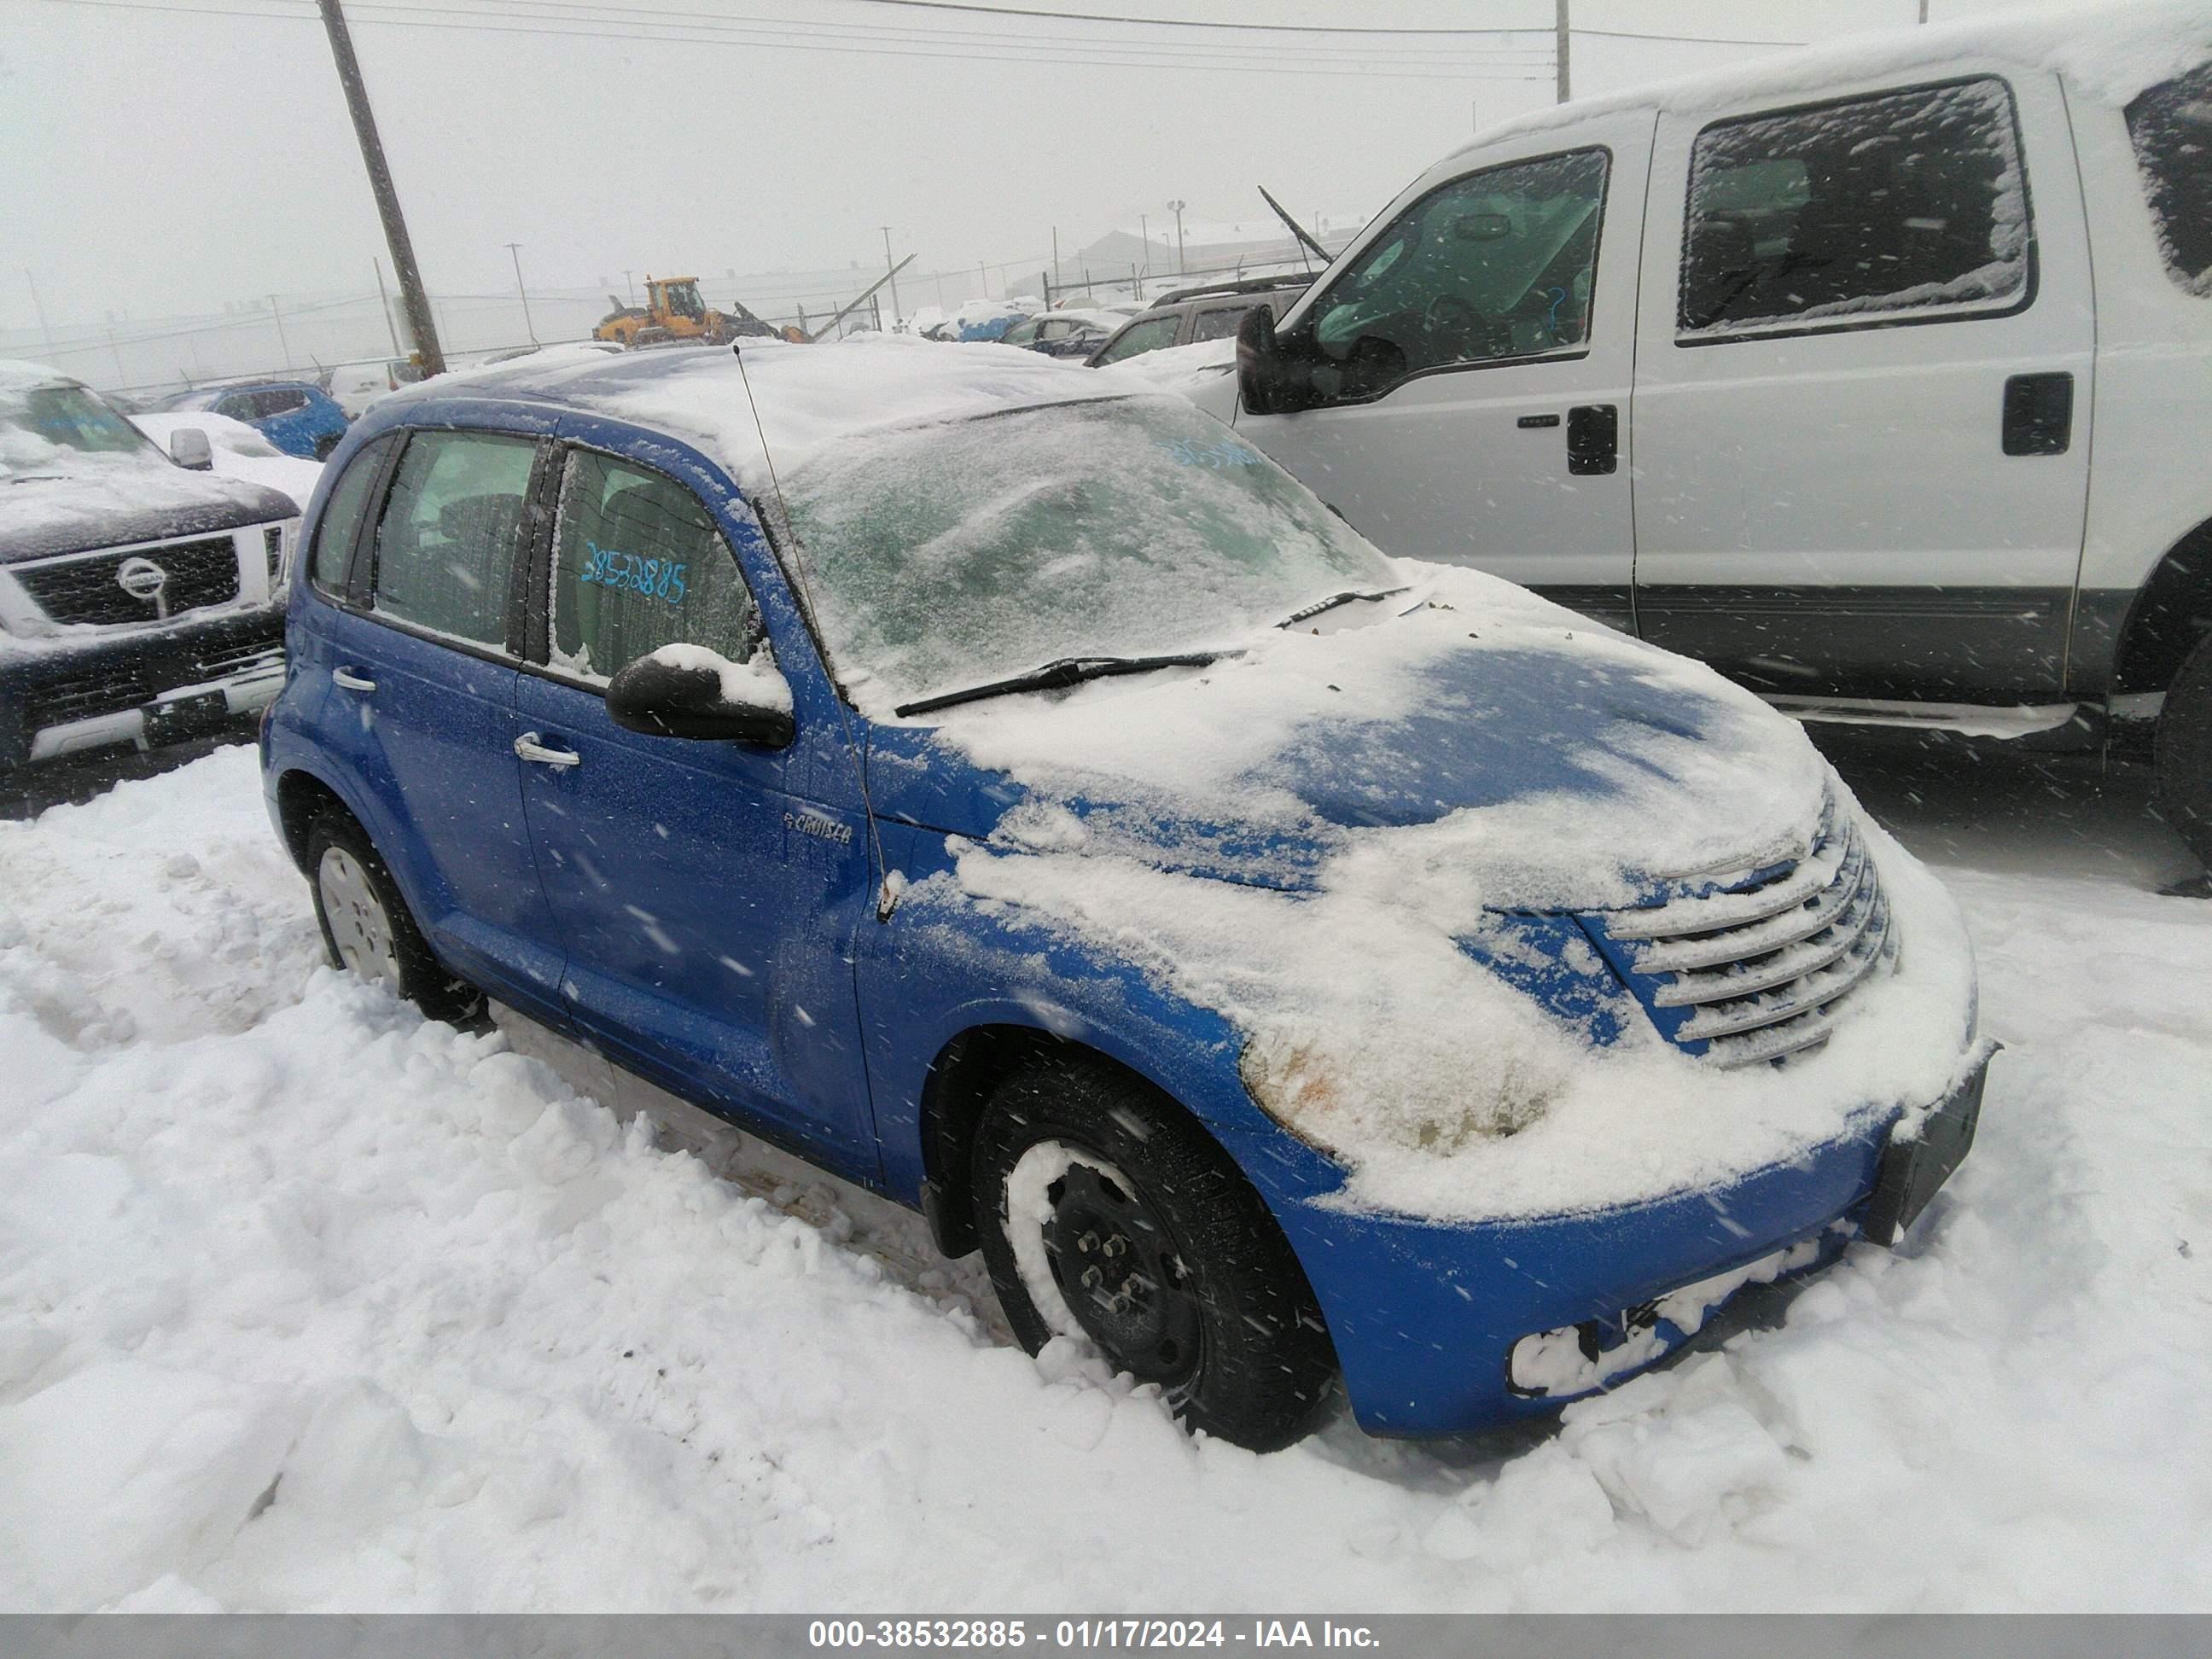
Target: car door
[1861, 407]
[1471, 363]
[421, 656]
[707, 891]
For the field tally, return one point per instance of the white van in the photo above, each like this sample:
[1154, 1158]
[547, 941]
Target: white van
[1878, 376]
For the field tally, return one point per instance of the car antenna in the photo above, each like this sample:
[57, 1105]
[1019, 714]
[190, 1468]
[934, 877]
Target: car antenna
[796, 571]
[1296, 229]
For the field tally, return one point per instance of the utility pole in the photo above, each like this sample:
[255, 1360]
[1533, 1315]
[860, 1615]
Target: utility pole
[1560, 32]
[514, 252]
[1181, 264]
[384, 305]
[282, 344]
[629, 288]
[1145, 228]
[121, 378]
[40, 306]
[420, 322]
[895, 312]
[1923, 10]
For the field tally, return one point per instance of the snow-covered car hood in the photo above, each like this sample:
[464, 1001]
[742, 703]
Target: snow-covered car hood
[117, 501]
[1572, 766]
[1386, 802]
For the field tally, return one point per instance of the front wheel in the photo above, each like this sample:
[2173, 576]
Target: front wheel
[367, 927]
[2183, 753]
[1108, 1216]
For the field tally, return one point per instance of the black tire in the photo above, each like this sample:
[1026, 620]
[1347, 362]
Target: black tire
[367, 927]
[1210, 1304]
[2183, 753]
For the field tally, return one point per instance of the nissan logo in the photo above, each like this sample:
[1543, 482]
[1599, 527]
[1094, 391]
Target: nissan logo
[142, 579]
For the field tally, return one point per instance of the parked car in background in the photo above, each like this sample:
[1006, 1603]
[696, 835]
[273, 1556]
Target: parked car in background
[1905, 344]
[1191, 315]
[1068, 333]
[356, 385]
[237, 451]
[136, 596]
[298, 417]
[1279, 960]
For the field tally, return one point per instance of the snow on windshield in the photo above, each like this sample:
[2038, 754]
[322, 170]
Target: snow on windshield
[42, 427]
[948, 554]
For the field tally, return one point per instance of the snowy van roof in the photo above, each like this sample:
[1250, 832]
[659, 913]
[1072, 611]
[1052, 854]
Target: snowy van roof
[2110, 53]
[807, 395]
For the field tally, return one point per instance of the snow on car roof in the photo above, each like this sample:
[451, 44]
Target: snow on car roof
[18, 376]
[2110, 52]
[807, 396]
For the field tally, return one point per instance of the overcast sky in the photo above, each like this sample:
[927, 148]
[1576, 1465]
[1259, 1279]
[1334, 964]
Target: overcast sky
[169, 157]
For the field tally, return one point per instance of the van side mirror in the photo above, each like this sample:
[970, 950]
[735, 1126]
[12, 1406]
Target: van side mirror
[189, 449]
[689, 691]
[1270, 379]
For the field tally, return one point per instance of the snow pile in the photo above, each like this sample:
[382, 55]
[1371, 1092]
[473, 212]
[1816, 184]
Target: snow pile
[1372, 1030]
[305, 1304]
[240, 452]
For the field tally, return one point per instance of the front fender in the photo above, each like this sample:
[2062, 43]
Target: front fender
[944, 964]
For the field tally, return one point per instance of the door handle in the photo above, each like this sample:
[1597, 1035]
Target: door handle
[351, 681]
[1593, 439]
[531, 747]
[2039, 414]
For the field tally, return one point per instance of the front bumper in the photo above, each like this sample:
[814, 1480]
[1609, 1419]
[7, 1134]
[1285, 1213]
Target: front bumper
[1444, 1328]
[144, 688]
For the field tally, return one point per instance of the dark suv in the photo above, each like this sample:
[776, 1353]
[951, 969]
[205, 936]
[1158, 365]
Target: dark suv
[139, 598]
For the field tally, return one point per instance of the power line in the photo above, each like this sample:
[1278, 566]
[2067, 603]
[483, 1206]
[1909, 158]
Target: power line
[737, 33]
[1182, 22]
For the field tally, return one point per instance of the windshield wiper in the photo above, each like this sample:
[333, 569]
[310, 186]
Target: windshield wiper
[1307, 612]
[1060, 674]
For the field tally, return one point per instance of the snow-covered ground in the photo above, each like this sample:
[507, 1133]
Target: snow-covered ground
[305, 1303]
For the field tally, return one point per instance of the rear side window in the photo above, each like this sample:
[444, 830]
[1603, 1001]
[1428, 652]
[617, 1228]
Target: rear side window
[1217, 324]
[638, 564]
[2172, 126]
[339, 528]
[446, 544]
[1151, 334]
[1906, 203]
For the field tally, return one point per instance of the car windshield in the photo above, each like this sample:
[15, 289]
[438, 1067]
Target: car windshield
[37, 420]
[945, 555]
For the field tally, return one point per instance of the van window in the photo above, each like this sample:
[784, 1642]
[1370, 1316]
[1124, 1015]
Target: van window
[1910, 202]
[1151, 334]
[1498, 264]
[638, 564]
[340, 524]
[2172, 126]
[445, 548]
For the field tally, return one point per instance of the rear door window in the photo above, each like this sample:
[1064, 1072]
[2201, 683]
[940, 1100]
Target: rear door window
[1217, 322]
[1149, 335]
[2171, 127]
[445, 544]
[637, 564]
[1910, 202]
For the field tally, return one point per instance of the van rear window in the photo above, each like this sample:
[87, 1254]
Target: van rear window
[2172, 126]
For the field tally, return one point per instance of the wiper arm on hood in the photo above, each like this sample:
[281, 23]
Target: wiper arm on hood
[1307, 612]
[1060, 674]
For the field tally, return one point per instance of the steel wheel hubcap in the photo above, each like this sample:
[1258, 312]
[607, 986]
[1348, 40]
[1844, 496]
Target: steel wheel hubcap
[1121, 1275]
[359, 925]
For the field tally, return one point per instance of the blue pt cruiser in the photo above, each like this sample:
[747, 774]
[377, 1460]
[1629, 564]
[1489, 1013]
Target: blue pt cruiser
[1016, 794]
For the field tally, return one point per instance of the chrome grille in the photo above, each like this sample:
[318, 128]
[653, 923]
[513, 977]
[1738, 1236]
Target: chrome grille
[82, 588]
[1757, 970]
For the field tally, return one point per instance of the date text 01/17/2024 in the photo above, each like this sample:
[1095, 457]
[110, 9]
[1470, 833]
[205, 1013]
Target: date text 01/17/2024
[1007, 1634]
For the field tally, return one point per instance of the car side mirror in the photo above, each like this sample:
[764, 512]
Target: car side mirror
[189, 449]
[1272, 377]
[689, 691]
